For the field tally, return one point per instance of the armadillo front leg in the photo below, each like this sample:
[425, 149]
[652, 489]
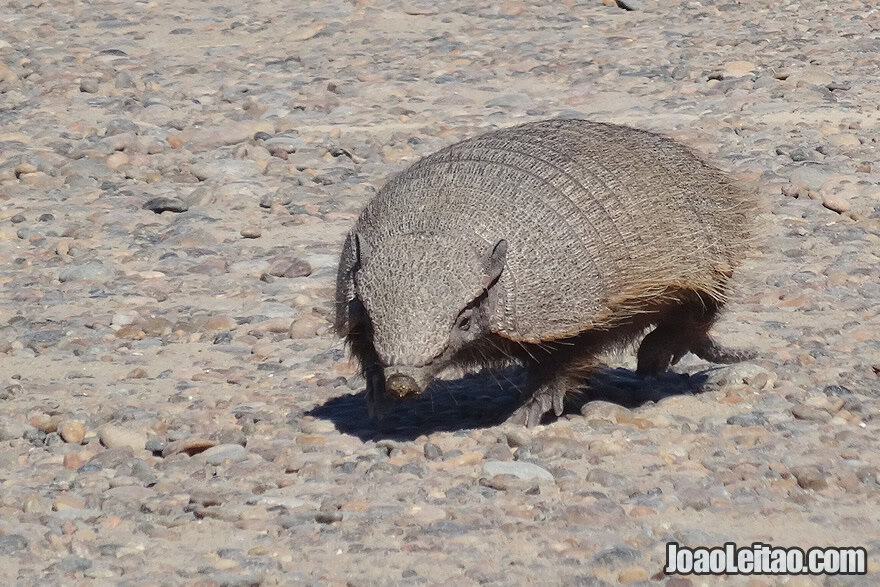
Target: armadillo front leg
[545, 390]
[375, 394]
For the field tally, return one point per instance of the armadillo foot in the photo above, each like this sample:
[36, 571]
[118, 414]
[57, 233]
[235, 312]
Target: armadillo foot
[545, 399]
[709, 350]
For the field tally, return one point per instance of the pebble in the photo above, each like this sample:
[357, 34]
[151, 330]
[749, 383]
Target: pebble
[835, 204]
[72, 461]
[432, 451]
[810, 478]
[633, 575]
[229, 133]
[190, 446]
[737, 68]
[88, 85]
[66, 501]
[290, 268]
[282, 197]
[226, 170]
[518, 469]
[251, 232]
[72, 431]
[11, 428]
[305, 327]
[804, 412]
[118, 437]
[222, 452]
[164, 204]
[12, 543]
[91, 271]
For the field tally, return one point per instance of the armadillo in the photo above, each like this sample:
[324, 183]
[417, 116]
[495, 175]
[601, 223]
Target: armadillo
[541, 245]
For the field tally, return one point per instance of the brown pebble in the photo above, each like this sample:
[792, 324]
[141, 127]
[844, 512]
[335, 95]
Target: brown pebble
[131, 332]
[305, 327]
[251, 232]
[175, 141]
[310, 439]
[72, 461]
[34, 504]
[219, 323]
[835, 204]
[137, 373]
[72, 431]
[45, 423]
[116, 160]
[277, 325]
[805, 412]
[633, 575]
[68, 502]
[809, 478]
[190, 446]
[119, 437]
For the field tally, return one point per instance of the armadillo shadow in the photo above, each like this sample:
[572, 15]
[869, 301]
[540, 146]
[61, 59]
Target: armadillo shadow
[489, 398]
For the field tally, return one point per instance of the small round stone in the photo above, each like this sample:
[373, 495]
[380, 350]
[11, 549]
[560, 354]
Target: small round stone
[72, 431]
[118, 437]
[88, 85]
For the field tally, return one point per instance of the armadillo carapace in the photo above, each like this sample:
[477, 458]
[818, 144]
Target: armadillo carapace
[540, 244]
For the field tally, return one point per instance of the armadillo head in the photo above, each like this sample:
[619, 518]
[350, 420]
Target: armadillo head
[425, 295]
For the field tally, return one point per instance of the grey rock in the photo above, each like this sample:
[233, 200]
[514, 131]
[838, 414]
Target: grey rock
[74, 563]
[11, 428]
[88, 85]
[629, 4]
[12, 543]
[88, 168]
[749, 419]
[286, 143]
[226, 169]
[432, 451]
[164, 204]
[510, 101]
[217, 454]
[91, 271]
[519, 469]
[805, 412]
[282, 198]
[616, 556]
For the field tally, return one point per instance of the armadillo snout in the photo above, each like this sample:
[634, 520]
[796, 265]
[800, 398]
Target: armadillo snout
[402, 385]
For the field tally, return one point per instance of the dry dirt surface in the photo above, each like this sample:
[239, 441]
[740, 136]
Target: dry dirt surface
[175, 182]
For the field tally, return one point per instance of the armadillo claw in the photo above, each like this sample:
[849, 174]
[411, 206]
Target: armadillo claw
[543, 401]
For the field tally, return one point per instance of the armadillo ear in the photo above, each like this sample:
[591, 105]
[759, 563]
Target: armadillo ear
[493, 263]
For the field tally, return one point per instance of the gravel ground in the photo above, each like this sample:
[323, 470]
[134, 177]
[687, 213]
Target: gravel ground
[175, 182]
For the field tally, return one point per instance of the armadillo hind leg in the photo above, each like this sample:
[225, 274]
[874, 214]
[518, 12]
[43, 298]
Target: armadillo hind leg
[685, 329]
[661, 348]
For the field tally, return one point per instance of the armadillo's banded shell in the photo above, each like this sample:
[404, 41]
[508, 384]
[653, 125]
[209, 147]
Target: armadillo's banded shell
[597, 217]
